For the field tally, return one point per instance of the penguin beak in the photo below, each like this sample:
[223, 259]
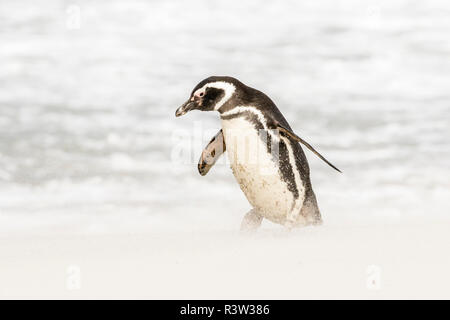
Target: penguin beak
[185, 108]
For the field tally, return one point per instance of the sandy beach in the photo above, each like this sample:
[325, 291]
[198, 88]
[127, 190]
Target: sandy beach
[332, 261]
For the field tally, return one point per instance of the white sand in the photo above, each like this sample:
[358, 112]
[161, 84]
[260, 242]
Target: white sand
[98, 174]
[331, 261]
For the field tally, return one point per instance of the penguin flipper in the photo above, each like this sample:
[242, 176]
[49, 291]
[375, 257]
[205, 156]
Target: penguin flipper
[292, 135]
[215, 148]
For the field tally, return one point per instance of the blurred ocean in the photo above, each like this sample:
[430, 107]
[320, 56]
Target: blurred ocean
[88, 91]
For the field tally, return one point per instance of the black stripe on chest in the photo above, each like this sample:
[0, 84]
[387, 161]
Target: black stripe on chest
[282, 156]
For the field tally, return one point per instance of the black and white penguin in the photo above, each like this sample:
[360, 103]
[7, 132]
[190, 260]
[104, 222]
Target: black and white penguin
[264, 153]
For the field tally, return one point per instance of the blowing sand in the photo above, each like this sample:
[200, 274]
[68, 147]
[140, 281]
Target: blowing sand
[332, 261]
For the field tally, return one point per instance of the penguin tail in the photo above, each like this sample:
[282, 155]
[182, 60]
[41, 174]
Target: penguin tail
[295, 137]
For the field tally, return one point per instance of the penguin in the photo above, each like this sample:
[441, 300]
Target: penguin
[265, 154]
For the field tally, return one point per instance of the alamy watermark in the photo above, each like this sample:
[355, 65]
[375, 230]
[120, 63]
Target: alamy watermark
[73, 278]
[73, 19]
[373, 280]
[255, 149]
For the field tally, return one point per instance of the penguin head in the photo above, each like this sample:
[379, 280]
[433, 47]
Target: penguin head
[210, 95]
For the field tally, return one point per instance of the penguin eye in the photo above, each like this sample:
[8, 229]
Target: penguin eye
[199, 93]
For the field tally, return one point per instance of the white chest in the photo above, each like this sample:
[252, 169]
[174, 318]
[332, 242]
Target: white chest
[255, 169]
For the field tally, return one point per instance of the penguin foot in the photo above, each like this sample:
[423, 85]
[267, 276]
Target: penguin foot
[300, 222]
[252, 220]
[291, 224]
